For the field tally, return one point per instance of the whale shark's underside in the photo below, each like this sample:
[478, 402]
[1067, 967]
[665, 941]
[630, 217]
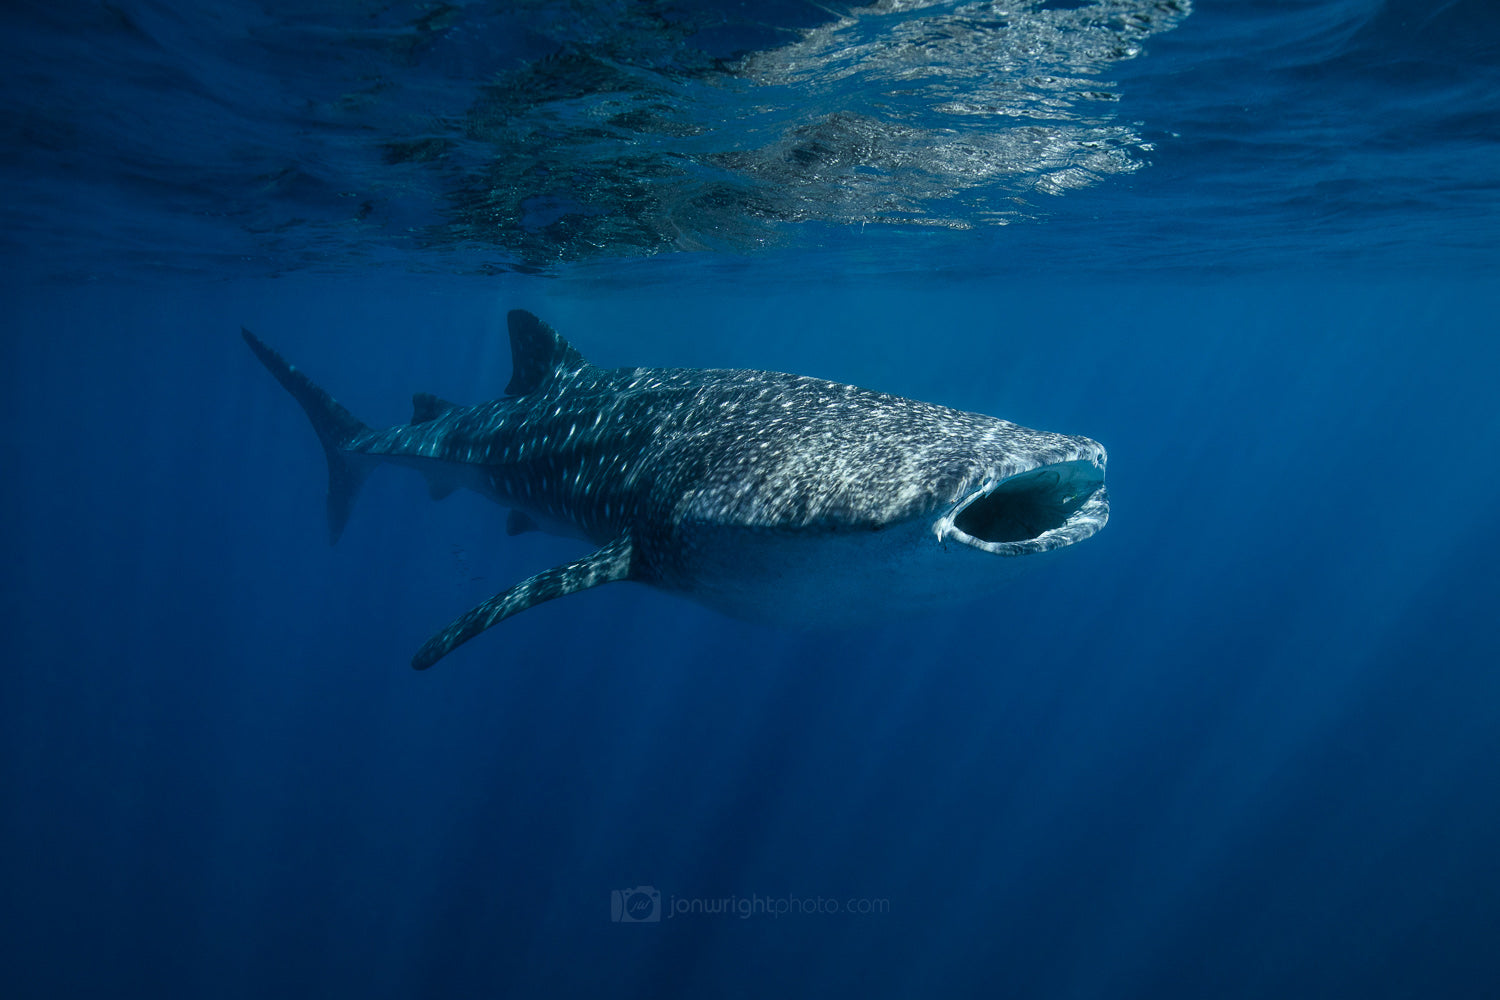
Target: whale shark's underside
[770, 497]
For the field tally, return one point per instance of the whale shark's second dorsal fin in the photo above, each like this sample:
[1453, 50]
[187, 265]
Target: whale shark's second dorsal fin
[538, 354]
[425, 406]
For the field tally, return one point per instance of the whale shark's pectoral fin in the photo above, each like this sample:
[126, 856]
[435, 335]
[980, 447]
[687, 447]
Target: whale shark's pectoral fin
[605, 565]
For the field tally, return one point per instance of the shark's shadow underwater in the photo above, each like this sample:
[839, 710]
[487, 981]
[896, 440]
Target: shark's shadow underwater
[770, 497]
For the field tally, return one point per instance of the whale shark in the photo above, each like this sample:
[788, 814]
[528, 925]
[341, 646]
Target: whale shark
[770, 497]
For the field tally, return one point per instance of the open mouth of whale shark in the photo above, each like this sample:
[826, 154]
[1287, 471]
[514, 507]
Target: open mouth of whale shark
[1043, 508]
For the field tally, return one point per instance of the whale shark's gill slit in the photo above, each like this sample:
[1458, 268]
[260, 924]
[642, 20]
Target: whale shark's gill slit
[1023, 507]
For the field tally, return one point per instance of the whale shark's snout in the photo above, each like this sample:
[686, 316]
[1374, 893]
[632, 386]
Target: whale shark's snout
[1043, 508]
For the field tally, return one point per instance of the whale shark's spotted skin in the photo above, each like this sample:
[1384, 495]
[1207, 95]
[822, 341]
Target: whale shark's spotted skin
[770, 496]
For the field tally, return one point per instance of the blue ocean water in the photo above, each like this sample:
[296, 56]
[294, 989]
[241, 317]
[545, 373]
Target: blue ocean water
[1242, 743]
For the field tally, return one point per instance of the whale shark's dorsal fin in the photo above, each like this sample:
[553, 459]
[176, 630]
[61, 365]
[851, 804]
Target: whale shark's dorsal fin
[538, 354]
[605, 565]
[425, 406]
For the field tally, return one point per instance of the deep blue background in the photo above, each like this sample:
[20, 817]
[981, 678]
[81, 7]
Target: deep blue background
[1243, 743]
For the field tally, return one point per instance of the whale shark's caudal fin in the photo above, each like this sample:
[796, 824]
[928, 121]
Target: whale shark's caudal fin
[606, 565]
[539, 355]
[335, 427]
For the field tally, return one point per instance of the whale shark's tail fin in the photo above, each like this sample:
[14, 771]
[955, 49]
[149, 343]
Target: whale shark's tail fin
[336, 428]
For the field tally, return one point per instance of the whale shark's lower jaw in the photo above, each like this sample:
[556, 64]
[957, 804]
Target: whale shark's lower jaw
[1040, 509]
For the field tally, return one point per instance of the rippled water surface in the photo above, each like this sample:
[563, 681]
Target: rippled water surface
[896, 137]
